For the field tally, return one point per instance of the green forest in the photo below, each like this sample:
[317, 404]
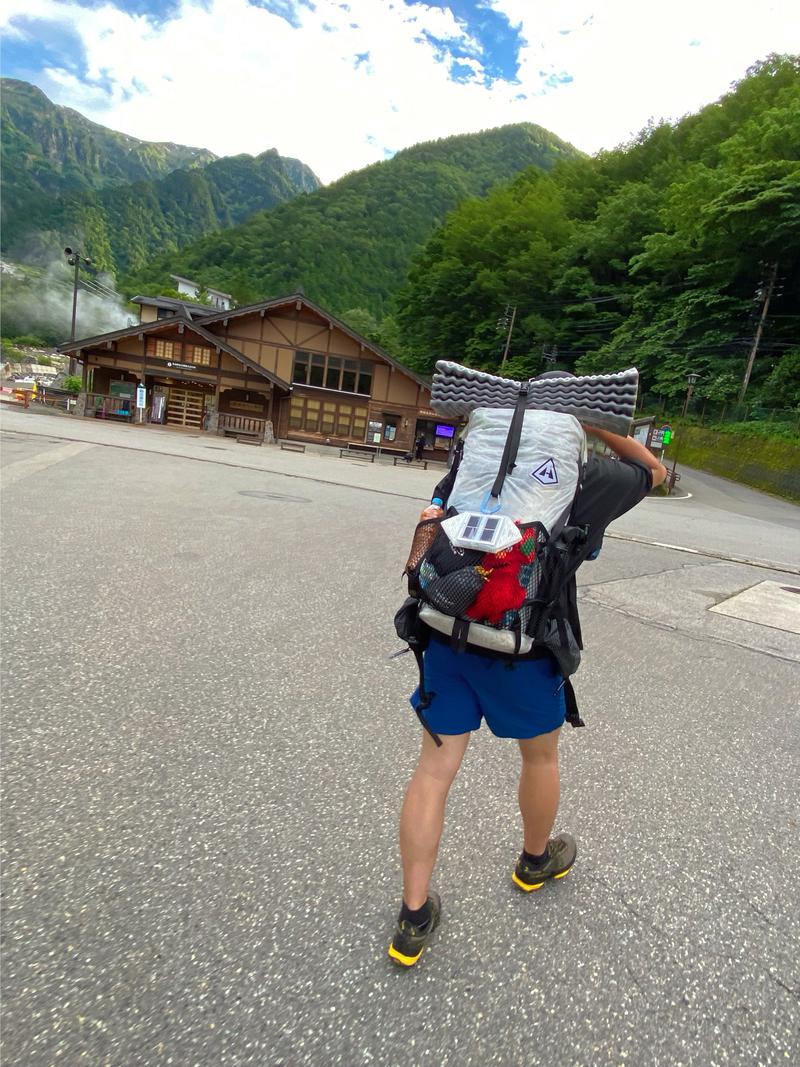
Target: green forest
[665, 254]
[349, 245]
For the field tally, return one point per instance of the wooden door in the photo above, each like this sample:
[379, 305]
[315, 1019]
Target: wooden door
[185, 408]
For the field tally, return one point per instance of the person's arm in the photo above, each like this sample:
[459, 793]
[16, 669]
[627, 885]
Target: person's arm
[630, 448]
[442, 491]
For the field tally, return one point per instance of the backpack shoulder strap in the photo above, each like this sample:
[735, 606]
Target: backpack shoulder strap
[509, 460]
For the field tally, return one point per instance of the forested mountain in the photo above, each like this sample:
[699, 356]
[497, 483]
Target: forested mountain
[52, 149]
[661, 254]
[349, 245]
[124, 225]
[67, 180]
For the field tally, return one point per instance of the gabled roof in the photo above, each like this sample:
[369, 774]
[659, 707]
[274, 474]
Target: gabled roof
[167, 324]
[193, 310]
[293, 298]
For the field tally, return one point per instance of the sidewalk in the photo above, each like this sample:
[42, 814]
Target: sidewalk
[318, 463]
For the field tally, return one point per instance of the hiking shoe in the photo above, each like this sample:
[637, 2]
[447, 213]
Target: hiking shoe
[561, 853]
[409, 940]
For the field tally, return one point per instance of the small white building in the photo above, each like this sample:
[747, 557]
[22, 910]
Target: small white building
[186, 287]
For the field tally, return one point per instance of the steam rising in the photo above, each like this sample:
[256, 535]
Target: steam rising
[38, 300]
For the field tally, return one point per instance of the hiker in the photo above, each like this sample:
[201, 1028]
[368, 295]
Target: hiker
[525, 698]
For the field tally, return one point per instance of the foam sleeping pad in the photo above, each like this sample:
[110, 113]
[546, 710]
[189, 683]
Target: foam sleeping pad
[607, 401]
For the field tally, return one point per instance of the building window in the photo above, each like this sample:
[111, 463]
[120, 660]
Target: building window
[330, 419]
[359, 423]
[160, 349]
[200, 354]
[389, 427]
[311, 421]
[365, 379]
[300, 370]
[349, 376]
[316, 374]
[333, 372]
[296, 413]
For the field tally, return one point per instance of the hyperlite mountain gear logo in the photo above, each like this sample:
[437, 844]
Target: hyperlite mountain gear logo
[546, 474]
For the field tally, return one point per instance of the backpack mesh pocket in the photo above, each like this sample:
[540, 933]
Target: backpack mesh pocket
[454, 593]
[424, 536]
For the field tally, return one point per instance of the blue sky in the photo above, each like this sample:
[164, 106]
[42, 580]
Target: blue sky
[342, 83]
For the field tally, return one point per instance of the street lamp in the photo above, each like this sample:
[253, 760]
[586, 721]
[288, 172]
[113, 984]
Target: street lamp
[691, 379]
[74, 258]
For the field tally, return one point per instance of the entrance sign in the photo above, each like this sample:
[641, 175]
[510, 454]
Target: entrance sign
[666, 434]
[141, 397]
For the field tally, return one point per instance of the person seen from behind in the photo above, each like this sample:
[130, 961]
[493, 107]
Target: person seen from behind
[523, 700]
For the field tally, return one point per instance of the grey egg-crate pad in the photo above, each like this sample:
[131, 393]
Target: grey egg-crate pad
[607, 401]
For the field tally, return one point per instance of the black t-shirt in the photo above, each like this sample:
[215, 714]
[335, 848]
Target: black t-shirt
[610, 487]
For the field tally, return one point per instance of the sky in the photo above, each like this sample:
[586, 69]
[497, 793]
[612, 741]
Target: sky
[340, 84]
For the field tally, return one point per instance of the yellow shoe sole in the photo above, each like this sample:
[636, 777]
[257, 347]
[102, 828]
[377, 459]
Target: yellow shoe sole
[403, 961]
[536, 885]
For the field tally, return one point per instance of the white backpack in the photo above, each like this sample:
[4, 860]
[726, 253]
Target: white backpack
[490, 573]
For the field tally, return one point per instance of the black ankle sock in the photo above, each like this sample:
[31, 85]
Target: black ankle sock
[420, 917]
[537, 861]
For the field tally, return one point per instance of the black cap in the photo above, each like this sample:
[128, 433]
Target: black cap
[553, 374]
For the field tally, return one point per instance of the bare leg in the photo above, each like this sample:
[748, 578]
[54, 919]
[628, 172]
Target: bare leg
[539, 789]
[422, 817]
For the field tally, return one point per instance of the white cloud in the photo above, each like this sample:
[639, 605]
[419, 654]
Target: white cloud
[233, 77]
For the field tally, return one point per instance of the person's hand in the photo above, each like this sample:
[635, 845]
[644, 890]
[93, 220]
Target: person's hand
[432, 511]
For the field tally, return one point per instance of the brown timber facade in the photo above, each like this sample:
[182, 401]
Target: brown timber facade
[286, 364]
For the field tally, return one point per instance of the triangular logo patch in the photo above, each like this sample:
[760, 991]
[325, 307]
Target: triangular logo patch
[546, 473]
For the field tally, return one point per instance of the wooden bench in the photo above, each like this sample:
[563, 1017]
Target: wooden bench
[410, 462]
[292, 446]
[249, 439]
[359, 453]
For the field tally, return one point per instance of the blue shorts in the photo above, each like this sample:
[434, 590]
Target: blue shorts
[518, 699]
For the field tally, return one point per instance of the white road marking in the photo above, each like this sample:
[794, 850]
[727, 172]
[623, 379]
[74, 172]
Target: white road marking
[27, 468]
[783, 568]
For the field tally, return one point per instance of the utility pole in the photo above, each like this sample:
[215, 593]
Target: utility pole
[759, 329]
[510, 331]
[74, 258]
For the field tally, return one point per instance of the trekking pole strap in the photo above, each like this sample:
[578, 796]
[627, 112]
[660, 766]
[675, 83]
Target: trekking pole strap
[509, 459]
[424, 698]
[573, 716]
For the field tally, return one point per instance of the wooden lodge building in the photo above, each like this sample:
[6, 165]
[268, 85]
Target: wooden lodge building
[284, 368]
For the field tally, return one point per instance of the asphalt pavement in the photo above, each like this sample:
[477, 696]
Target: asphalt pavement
[206, 746]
